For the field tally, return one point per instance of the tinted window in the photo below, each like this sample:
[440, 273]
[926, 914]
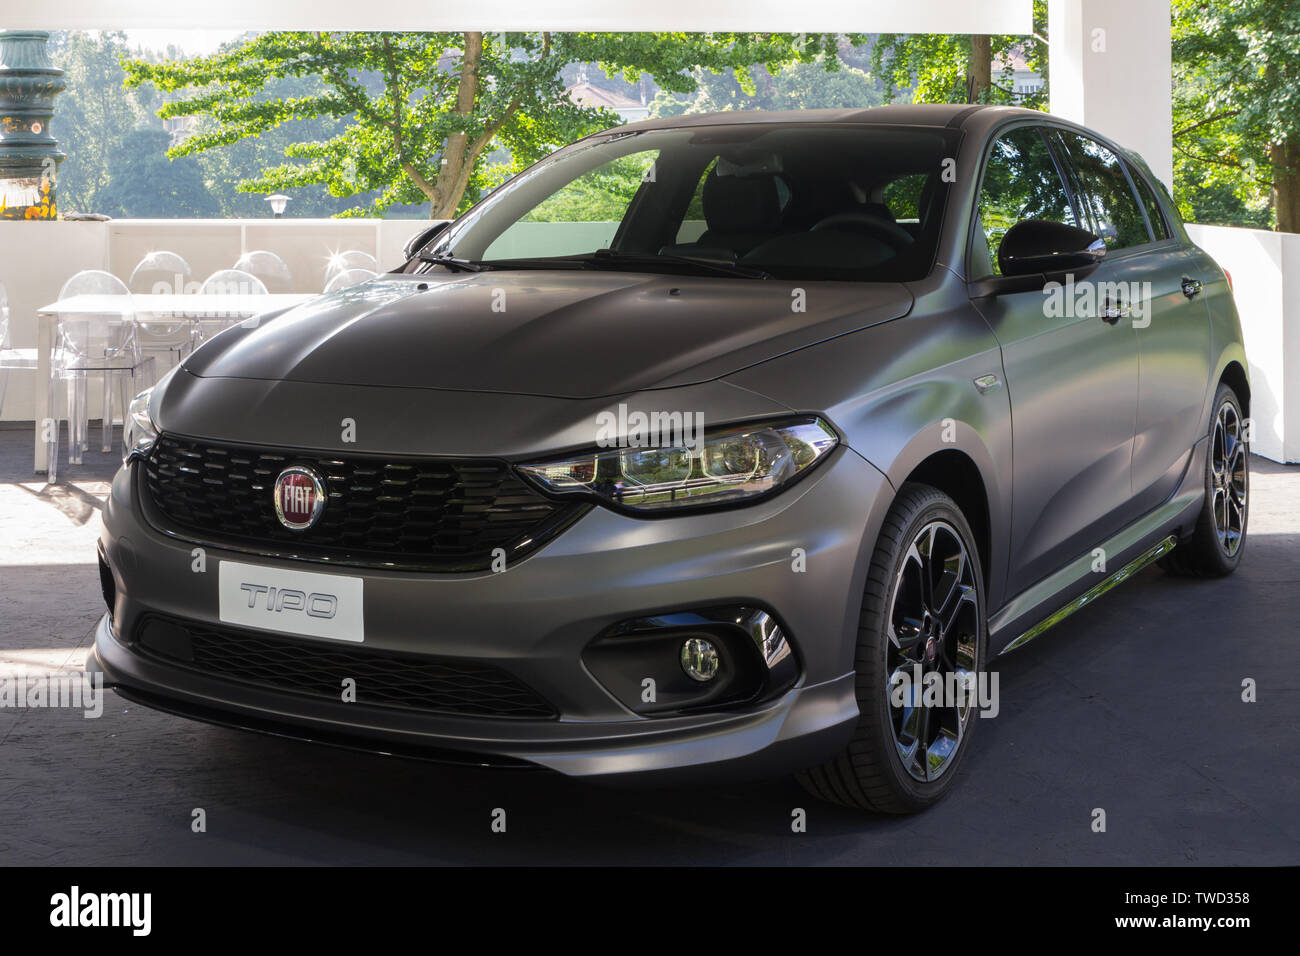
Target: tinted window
[1020, 182]
[1154, 216]
[1107, 199]
[902, 197]
[795, 200]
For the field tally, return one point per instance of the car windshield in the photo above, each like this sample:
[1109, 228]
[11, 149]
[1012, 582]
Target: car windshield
[792, 200]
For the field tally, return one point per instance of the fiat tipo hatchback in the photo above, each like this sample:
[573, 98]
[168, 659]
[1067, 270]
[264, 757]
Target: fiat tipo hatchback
[708, 446]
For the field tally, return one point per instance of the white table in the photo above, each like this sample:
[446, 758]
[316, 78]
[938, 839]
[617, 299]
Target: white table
[146, 308]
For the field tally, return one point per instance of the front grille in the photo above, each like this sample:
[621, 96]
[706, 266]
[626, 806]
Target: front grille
[433, 514]
[383, 678]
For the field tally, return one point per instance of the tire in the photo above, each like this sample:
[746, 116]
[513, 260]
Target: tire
[872, 772]
[1215, 546]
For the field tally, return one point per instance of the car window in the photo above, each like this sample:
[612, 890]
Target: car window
[693, 223]
[903, 197]
[794, 200]
[1020, 182]
[1107, 199]
[1159, 228]
[582, 215]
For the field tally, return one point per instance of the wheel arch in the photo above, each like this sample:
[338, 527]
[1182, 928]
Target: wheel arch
[955, 474]
[952, 456]
[1234, 376]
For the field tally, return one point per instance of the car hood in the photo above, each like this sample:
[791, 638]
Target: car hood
[558, 333]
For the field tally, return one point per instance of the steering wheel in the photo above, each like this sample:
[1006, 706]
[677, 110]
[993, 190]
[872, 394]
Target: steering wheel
[890, 232]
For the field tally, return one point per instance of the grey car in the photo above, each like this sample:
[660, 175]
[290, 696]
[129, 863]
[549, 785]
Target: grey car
[708, 447]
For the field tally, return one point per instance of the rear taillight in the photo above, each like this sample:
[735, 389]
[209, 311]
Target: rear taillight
[1228, 276]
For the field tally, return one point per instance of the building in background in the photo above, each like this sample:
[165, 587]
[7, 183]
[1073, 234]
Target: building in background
[629, 110]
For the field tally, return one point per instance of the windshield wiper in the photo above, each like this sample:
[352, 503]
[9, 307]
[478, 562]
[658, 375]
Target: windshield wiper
[451, 262]
[611, 258]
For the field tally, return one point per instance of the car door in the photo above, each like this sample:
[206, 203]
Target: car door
[1072, 377]
[1174, 352]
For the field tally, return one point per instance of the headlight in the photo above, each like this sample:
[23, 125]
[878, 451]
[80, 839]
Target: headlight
[139, 432]
[732, 465]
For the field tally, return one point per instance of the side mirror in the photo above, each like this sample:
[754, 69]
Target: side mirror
[1034, 246]
[1035, 252]
[424, 237]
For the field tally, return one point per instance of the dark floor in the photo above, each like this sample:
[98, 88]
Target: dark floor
[1133, 706]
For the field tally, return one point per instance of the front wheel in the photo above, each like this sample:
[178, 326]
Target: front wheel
[1215, 546]
[921, 644]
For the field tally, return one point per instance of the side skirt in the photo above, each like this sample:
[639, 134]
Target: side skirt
[1038, 607]
[1119, 577]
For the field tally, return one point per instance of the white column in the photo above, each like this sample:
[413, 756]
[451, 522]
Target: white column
[1110, 69]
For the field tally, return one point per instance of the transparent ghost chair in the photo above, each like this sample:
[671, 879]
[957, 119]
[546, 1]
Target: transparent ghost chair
[349, 277]
[96, 334]
[226, 282]
[163, 272]
[346, 261]
[267, 267]
[10, 357]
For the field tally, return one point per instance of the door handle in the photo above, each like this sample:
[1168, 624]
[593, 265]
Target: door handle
[1191, 287]
[1113, 313]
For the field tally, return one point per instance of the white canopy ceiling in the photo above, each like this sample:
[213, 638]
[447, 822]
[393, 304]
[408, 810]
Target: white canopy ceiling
[831, 16]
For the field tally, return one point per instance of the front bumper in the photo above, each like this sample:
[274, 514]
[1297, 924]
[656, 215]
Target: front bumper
[534, 621]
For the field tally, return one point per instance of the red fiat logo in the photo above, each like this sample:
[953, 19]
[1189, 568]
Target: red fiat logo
[299, 498]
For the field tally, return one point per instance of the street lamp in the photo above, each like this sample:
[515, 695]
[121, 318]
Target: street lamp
[277, 202]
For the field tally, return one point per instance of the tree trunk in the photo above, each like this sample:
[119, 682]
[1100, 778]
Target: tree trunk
[979, 78]
[452, 174]
[1284, 157]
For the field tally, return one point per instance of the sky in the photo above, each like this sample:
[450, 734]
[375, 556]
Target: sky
[191, 41]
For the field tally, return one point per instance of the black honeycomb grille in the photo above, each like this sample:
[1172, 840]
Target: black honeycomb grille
[314, 669]
[434, 514]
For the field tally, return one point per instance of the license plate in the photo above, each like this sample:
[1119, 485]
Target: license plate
[291, 602]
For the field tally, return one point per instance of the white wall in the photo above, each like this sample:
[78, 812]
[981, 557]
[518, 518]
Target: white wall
[1265, 268]
[36, 258]
[1110, 69]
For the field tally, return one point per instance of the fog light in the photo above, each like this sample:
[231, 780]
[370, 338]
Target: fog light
[699, 659]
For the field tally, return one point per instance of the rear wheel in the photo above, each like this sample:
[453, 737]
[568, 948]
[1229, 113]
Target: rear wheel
[921, 623]
[1215, 546]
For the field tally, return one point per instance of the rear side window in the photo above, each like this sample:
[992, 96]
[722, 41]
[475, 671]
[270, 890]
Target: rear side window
[1020, 182]
[1107, 198]
[1159, 228]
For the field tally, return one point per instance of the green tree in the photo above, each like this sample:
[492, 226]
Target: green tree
[144, 184]
[1237, 109]
[425, 111]
[800, 85]
[92, 119]
[953, 68]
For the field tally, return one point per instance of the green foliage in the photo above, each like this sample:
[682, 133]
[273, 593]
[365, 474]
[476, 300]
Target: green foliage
[100, 126]
[828, 84]
[143, 183]
[1236, 90]
[601, 195]
[932, 68]
[429, 117]
[93, 120]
